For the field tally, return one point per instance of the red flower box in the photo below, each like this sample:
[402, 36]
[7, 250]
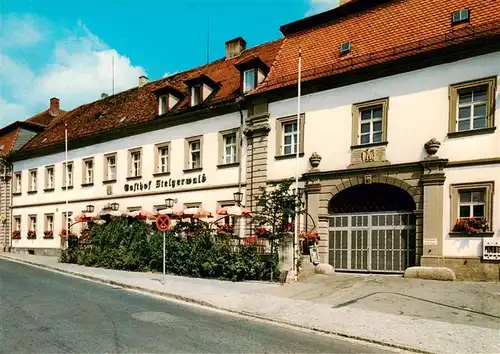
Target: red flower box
[48, 234]
[471, 225]
[31, 235]
[16, 235]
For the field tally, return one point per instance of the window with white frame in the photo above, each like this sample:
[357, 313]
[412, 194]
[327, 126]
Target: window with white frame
[68, 174]
[49, 222]
[196, 92]
[230, 148]
[472, 108]
[110, 167]
[370, 125]
[88, 171]
[18, 182]
[195, 153]
[163, 158]
[17, 223]
[289, 138]
[162, 104]
[49, 177]
[249, 80]
[472, 204]
[135, 165]
[32, 223]
[66, 220]
[32, 183]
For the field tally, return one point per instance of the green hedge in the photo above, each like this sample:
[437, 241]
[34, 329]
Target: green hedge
[191, 250]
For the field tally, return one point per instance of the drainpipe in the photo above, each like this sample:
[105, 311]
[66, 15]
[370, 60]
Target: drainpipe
[239, 101]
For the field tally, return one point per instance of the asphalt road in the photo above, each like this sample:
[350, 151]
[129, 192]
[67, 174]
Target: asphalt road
[47, 312]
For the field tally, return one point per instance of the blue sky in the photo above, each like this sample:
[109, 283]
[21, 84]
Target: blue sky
[65, 48]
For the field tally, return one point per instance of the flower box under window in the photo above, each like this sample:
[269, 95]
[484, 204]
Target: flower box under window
[48, 234]
[16, 235]
[31, 235]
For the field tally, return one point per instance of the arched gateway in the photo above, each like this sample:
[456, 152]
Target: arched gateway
[372, 229]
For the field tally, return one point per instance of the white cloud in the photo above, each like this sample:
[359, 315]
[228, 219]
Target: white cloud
[21, 30]
[8, 110]
[317, 6]
[169, 74]
[80, 70]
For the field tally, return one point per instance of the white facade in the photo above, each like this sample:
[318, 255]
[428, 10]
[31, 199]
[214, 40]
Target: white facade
[214, 185]
[418, 111]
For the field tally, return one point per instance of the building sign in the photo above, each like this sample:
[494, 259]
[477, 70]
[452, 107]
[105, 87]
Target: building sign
[170, 183]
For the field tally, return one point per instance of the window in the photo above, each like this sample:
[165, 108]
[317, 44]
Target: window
[288, 135]
[472, 106]
[249, 80]
[88, 171]
[17, 182]
[32, 223]
[49, 222]
[370, 125]
[32, 181]
[17, 223]
[66, 220]
[162, 104]
[68, 175]
[460, 16]
[370, 122]
[110, 167]
[471, 204]
[196, 95]
[49, 177]
[162, 158]
[345, 48]
[193, 153]
[229, 146]
[135, 165]
[472, 200]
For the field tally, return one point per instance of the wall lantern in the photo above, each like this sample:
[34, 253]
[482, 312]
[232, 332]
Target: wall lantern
[169, 203]
[238, 197]
[89, 208]
[115, 206]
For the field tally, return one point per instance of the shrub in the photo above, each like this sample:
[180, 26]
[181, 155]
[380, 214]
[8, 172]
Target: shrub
[191, 249]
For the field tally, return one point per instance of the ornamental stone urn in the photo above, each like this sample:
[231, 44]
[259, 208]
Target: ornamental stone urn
[432, 147]
[314, 160]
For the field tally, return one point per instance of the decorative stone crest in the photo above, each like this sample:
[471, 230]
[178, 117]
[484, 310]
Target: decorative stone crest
[432, 147]
[314, 160]
[262, 128]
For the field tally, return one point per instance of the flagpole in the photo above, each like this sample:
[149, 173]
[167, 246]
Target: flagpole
[297, 152]
[67, 176]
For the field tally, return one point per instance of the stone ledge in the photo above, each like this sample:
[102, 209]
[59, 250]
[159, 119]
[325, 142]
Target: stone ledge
[430, 273]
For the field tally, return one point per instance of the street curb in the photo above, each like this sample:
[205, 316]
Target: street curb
[207, 304]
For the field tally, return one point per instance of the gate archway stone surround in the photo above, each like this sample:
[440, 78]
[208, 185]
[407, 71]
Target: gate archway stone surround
[405, 176]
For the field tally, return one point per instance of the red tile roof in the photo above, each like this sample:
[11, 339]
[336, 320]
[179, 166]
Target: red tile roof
[381, 33]
[8, 140]
[139, 105]
[46, 117]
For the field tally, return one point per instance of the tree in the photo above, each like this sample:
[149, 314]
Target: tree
[276, 217]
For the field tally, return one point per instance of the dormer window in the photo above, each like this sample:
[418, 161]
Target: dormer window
[345, 48]
[253, 71]
[460, 16]
[162, 104]
[168, 96]
[196, 97]
[249, 80]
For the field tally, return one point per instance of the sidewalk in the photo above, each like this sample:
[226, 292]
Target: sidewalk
[390, 310]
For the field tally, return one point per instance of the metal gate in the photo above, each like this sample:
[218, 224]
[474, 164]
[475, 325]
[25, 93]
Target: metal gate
[372, 242]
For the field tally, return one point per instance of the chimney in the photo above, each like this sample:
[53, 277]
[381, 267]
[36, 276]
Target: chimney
[54, 105]
[235, 47]
[104, 95]
[143, 80]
